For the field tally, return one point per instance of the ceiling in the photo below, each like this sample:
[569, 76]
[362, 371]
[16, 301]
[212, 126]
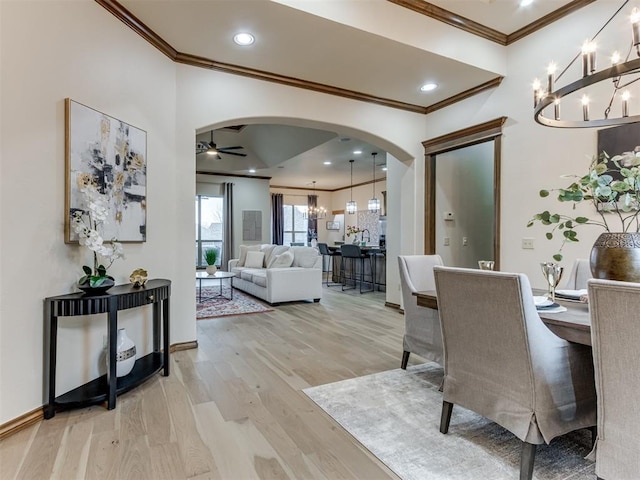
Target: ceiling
[334, 51]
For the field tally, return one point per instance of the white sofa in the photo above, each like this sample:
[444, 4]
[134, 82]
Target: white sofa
[268, 278]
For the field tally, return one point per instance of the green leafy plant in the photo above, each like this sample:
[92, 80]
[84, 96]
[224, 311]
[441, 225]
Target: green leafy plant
[211, 255]
[612, 185]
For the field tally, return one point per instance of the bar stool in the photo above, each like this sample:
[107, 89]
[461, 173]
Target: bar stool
[323, 248]
[352, 256]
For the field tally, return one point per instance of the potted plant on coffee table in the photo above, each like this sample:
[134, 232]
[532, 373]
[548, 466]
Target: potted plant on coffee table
[612, 185]
[211, 256]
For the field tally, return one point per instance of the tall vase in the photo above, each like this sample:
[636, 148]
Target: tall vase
[616, 256]
[125, 354]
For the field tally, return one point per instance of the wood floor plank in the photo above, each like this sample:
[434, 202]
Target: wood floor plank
[233, 409]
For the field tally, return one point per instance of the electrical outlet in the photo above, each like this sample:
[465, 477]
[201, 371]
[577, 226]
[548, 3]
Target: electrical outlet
[465, 241]
[447, 241]
[527, 243]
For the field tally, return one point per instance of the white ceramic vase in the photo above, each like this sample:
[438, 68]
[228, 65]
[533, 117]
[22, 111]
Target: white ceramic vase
[212, 269]
[125, 353]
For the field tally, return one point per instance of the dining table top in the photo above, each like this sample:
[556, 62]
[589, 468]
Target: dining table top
[574, 325]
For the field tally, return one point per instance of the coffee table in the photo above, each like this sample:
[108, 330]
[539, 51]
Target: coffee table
[219, 276]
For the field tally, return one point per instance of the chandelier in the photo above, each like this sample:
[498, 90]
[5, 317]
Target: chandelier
[623, 71]
[374, 203]
[352, 207]
[315, 212]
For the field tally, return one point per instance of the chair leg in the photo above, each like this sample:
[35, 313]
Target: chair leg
[445, 418]
[527, 457]
[405, 360]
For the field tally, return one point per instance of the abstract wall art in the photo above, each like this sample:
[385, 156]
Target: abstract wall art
[112, 155]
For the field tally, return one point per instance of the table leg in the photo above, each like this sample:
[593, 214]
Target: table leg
[165, 334]
[52, 332]
[231, 284]
[112, 379]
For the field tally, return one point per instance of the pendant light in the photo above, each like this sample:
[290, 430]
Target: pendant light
[374, 203]
[352, 206]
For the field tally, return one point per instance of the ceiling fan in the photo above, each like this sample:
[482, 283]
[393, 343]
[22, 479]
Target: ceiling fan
[210, 148]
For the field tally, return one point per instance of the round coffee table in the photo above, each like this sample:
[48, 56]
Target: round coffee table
[219, 276]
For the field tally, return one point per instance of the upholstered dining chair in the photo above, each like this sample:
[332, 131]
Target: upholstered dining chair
[422, 326]
[503, 363]
[577, 278]
[615, 336]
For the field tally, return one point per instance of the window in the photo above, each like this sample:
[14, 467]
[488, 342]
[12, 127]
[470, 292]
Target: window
[209, 227]
[295, 225]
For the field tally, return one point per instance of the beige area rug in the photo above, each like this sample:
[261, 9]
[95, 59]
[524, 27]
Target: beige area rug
[213, 305]
[396, 415]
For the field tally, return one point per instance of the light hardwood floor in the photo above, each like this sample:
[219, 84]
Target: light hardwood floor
[231, 409]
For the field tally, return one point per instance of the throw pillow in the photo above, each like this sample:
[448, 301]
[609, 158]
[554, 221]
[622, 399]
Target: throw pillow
[243, 253]
[284, 260]
[278, 250]
[304, 257]
[268, 252]
[254, 259]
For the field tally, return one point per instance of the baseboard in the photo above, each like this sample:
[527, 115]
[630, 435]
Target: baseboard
[34, 416]
[392, 305]
[176, 347]
[22, 422]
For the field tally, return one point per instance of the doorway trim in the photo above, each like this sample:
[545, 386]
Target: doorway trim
[490, 131]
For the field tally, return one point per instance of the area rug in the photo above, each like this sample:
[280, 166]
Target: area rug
[396, 416]
[215, 306]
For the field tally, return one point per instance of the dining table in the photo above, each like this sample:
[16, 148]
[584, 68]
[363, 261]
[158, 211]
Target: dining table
[574, 324]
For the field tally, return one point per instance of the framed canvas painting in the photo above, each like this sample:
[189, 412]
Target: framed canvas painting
[113, 155]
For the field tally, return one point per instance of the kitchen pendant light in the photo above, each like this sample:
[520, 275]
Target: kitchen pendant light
[374, 203]
[352, 207]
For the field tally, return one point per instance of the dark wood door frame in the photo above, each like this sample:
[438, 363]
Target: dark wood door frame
[490, 131]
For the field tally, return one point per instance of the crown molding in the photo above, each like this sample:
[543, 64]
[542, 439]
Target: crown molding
[453, 19]
[470, 26]
[129, 19]
[463, 95]
[547, 20]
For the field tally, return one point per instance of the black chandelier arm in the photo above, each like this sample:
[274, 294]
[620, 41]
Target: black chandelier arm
[632, 66]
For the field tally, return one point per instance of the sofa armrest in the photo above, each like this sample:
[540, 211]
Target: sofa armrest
[232, 263]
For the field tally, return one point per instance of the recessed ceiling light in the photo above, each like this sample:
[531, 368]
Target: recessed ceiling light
[384, 169]
[327, 163]
[427, 87]
[357, 152]
[243, 38]
[525, 3]
[252, 170]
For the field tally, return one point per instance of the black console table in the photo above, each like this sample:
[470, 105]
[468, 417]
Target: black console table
[106, 387]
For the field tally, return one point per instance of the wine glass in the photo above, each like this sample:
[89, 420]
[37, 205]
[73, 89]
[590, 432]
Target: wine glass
[552, 274]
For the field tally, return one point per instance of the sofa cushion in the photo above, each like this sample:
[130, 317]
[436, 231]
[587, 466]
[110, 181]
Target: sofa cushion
[284, 260]
[267, 249]
[304, 257]
[254, 259]
[260, 278]
[243, 253]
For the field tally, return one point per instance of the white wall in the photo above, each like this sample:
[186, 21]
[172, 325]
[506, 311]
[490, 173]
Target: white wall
[533, 157]
[248, 194]
[53, 50]
[57, 49]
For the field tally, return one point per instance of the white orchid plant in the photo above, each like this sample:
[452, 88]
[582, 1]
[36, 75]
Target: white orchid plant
[612, 185]
[86, 223]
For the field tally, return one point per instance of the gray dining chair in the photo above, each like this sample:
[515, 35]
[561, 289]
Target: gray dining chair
[503, 363]
[614, 308]
[578, 276]
[422, 334]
